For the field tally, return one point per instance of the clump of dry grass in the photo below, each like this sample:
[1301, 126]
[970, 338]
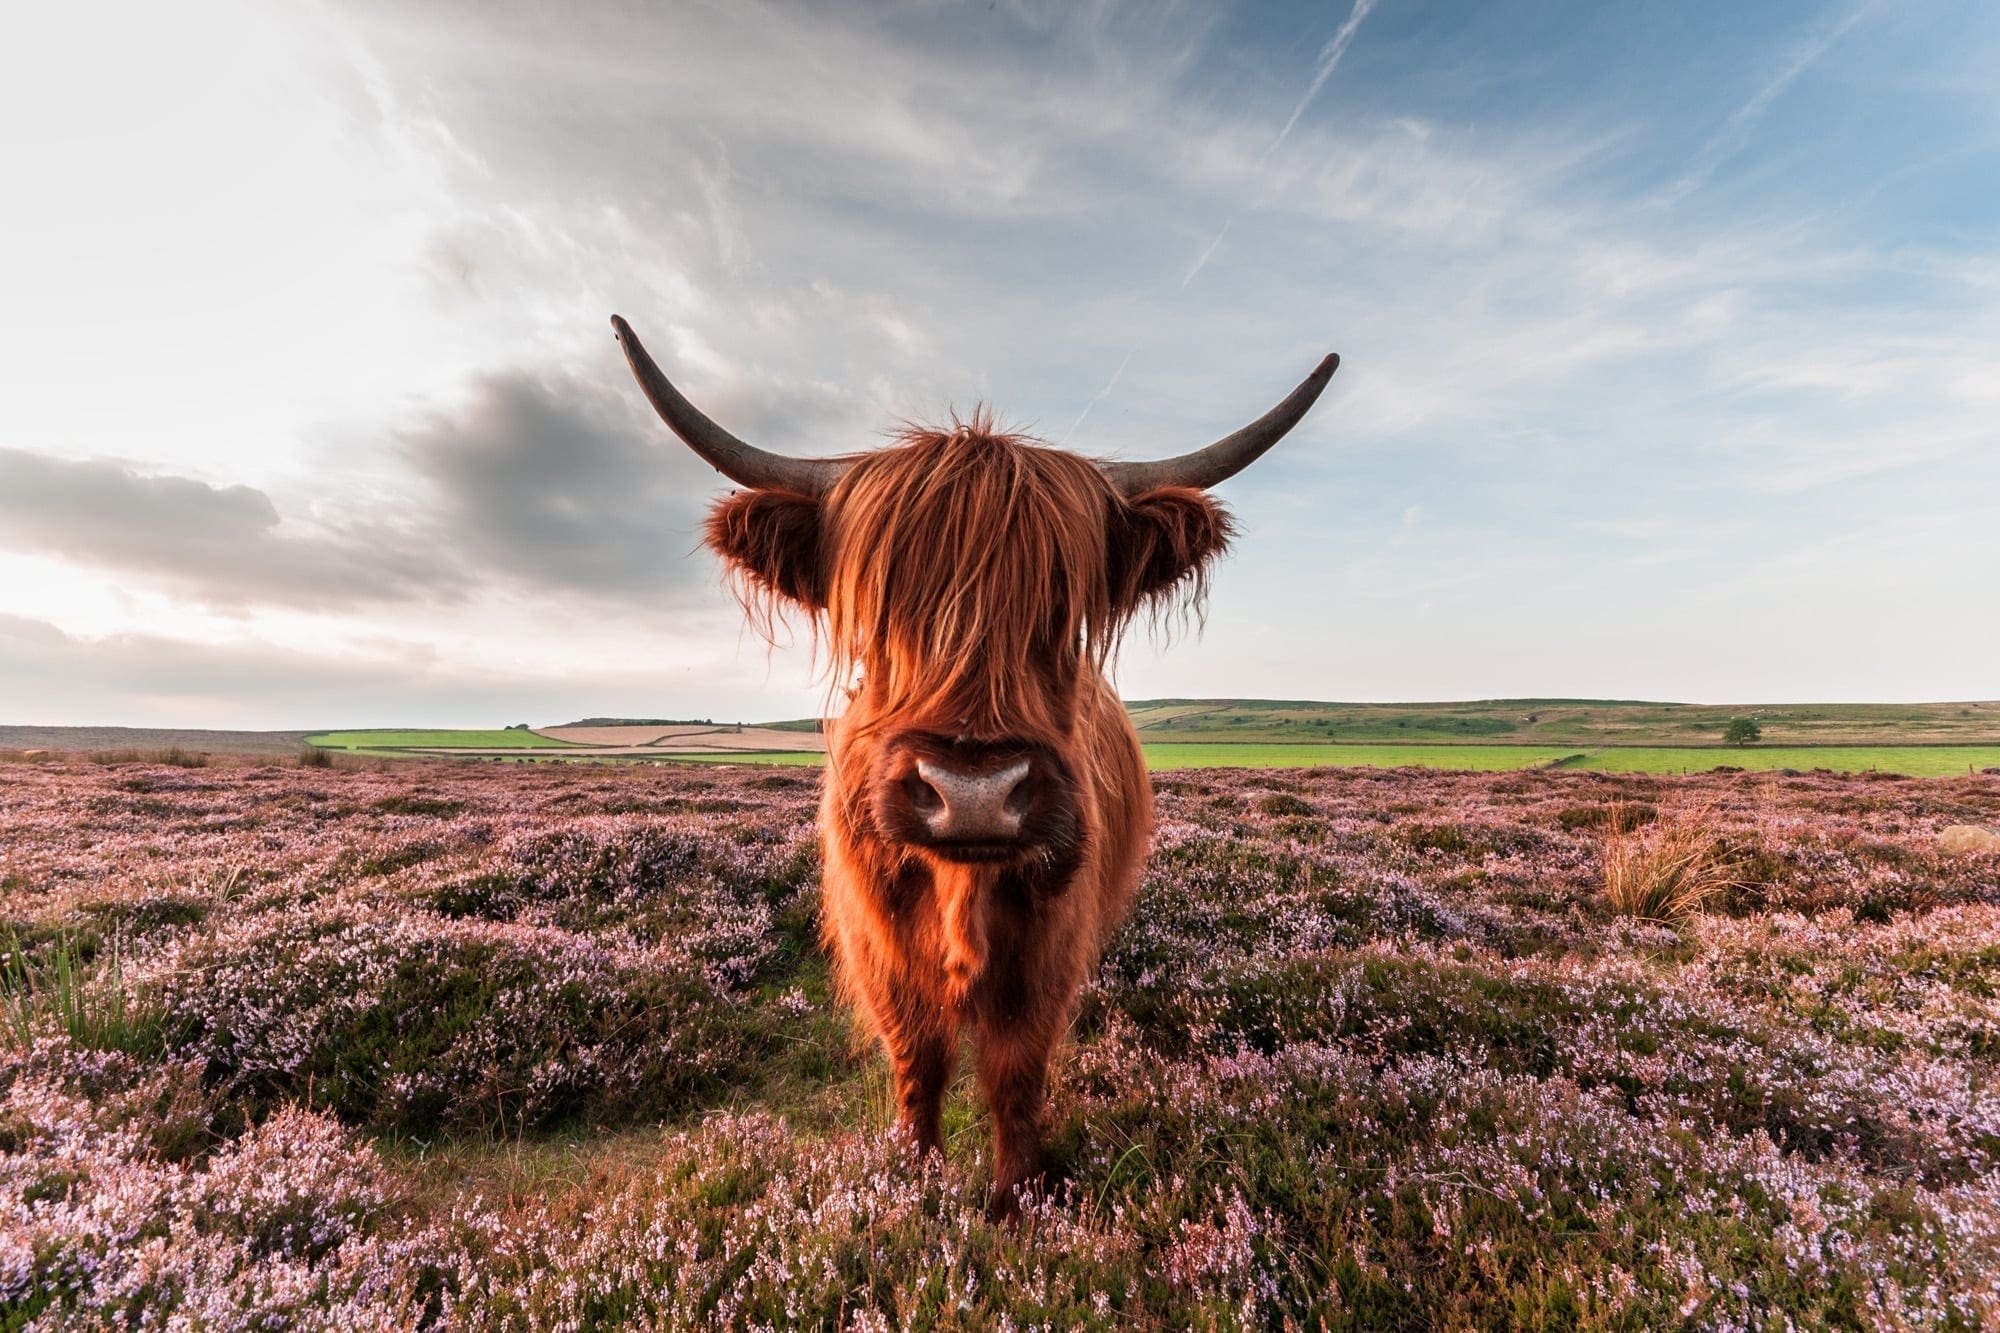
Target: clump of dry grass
[1669, 869]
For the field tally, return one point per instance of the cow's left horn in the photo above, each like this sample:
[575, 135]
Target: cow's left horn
[1230, 454]
[745, 464]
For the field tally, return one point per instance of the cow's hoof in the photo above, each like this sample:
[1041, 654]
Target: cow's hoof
[1004, 1208]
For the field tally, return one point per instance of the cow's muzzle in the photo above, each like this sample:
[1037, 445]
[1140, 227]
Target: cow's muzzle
[971, 804]
[993, 801]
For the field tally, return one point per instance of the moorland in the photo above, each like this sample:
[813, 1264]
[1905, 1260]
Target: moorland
[357, 1043]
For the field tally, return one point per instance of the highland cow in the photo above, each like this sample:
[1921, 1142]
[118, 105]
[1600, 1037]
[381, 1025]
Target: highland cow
[986, 810]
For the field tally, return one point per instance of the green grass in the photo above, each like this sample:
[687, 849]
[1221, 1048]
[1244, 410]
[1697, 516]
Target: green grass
[62, 985]
[1923, 761]
[1486, 758]
[400, 738]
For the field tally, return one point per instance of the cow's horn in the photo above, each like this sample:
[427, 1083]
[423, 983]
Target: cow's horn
[1230, 454]
[745, 464]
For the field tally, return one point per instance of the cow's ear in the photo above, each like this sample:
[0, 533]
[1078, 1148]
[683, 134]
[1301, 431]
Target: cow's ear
[1162, 537]
[771, 540]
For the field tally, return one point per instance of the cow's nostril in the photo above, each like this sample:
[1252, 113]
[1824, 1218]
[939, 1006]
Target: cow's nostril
[922, 796]
[1021, 797]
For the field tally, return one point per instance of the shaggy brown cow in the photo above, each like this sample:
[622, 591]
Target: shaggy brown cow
[986, 808]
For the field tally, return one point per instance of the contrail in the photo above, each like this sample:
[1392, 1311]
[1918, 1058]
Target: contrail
[1109, 385]
[1329, 56]
[1735, 132]
[1202, 263]
[1329, 59]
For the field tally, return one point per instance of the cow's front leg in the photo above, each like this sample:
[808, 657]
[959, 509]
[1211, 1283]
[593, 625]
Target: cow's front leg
[1013, 1078]
[881, 926]
[922, 1058]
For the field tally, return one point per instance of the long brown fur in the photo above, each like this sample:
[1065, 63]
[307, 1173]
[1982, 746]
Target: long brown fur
[971, 586]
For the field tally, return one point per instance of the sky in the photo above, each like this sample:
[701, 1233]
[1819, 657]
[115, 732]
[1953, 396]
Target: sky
[1670, 336]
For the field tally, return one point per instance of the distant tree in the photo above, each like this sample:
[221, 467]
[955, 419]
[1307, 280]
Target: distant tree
[1742, 731]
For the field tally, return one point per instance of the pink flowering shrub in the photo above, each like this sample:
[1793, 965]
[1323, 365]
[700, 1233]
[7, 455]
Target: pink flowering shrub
[419, 1023]
[101, 1227]
[477, 1046]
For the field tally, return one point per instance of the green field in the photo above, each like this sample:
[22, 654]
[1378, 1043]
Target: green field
[1916, 760]
[1924, 761]
[1486, 758]
[397, 738]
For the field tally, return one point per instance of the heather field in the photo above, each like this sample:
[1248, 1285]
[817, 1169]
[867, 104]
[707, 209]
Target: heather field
[551, 1046]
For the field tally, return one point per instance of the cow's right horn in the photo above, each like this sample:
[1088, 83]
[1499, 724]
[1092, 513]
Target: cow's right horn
[1230, 454]
[745, 464]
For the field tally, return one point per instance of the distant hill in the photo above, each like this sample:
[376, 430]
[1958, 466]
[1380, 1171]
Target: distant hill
[1583, 722]
[115, 739]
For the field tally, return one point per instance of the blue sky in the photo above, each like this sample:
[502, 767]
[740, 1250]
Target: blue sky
[1670, 336]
